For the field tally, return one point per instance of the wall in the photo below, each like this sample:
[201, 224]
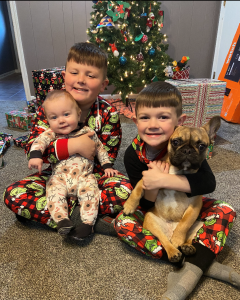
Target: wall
[50, 28]
[7, 54]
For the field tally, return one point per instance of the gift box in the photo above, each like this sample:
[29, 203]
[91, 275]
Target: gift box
[202, 99]
[184, 74]
[4, 142]
[21, 141]
[21, 119]
[45, 80]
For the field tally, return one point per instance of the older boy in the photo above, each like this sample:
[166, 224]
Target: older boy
[158, 112]
[85, 77]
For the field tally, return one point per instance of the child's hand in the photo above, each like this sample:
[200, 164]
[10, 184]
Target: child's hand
[110, 172]
[154, 177]
[82, 145]
[35, 163]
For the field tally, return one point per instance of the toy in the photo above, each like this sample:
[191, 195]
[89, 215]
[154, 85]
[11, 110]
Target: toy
[180, 65]
[168, 71]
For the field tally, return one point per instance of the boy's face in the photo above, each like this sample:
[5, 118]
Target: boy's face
[156, 124]
[62, 115]
[84, 82]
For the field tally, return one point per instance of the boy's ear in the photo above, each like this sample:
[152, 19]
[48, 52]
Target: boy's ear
[182, 119]
[63, 74]
[104, 84]
[135, 120]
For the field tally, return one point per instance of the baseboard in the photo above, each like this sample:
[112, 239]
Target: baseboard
[7, 74]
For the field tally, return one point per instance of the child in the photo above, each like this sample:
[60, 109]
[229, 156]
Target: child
[158, 111]
[85, 77]
[72, 176]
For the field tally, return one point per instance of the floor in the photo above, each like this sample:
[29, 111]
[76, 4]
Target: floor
[11, 88]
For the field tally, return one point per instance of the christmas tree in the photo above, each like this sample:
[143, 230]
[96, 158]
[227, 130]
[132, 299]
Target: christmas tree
[131, 33]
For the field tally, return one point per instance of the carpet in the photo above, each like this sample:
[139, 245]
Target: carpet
[36, 263]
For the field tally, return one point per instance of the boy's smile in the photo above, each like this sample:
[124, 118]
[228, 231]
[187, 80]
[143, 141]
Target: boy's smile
[156, 125]
[84, 82]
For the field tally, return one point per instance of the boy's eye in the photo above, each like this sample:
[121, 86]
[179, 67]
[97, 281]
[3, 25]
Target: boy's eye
[143, 118]
[163, 117]
[91, 76]
[66, 114]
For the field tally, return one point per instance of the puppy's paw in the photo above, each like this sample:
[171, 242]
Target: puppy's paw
[128, 208]
[177, 241]
[175, 256]
[188, 249]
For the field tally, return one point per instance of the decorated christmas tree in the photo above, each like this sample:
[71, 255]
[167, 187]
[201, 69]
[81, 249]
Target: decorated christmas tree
[131, 32]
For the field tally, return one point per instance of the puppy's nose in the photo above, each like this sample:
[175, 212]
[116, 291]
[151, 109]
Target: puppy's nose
[187, 151]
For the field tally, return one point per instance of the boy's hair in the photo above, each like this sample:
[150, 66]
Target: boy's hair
[89, 54]
[160, 94]
[53, 95]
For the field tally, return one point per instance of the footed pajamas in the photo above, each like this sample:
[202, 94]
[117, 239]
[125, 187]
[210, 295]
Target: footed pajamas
[27, 197]
[72, 177]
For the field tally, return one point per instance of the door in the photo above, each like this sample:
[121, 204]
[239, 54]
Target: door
[229, 20]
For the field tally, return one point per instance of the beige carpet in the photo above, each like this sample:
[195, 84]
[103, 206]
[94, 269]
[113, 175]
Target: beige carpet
[35, 263]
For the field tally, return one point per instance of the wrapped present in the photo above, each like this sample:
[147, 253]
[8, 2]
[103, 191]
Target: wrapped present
[32, 105]
[210, 150]
[45, 80]
[183, 74]
[202, 99]
[21, 119]
[21, 141]
[4, 142]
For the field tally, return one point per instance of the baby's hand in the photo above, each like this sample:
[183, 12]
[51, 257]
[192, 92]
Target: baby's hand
[35, 163]
[109, 172]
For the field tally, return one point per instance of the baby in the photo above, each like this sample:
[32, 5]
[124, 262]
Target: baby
[71, 177]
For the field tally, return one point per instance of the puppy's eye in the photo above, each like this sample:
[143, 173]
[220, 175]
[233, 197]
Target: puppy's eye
[201, 147]
[175, 142]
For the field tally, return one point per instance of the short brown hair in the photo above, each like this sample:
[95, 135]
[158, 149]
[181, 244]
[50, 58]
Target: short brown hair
[89, 54]
[57, 94]
[158, 94]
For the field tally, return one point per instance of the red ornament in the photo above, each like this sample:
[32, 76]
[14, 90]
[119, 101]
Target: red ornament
[160, 13]
[98, 40]
[144, 38]
[140, 57]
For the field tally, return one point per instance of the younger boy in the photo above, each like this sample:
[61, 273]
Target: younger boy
[158, 111]
[72, 176]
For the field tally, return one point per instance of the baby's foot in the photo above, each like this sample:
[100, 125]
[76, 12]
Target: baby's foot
[64, 226]
[81, 232]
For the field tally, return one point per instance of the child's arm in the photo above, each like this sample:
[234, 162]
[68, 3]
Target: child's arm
[199, 183]
[59, 150]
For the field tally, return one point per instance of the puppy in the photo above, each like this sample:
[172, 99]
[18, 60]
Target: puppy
[173, 218]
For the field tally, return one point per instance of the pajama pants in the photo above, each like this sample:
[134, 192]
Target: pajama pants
[73, 177]
[217, 216]
[27, 197]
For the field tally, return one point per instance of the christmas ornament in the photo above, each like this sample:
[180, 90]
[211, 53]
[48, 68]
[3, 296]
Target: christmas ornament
[144, 38]
[124, 35]
[151, 51]
[127, 13]
[105, 22]
[143, 14]
[138, 37]
[114, 50]
[150, 21]
[94, 30]
[154, 79]
[140, 57]
[98, 40]
[122, 60]
[120, 13]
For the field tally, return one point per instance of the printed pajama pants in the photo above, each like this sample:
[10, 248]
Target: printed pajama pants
[218, 218]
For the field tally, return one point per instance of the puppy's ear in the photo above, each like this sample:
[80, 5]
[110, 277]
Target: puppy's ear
[212, 126]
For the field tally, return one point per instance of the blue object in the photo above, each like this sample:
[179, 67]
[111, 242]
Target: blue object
[122, 60]
[95, 2]
[151, 51]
